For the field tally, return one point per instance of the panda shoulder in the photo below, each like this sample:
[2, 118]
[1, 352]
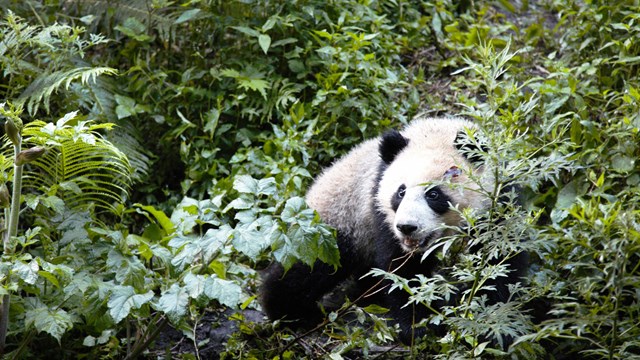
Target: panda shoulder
[345, 175]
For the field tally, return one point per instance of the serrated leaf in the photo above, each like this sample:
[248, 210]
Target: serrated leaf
[284, 252]
[292, 208]
[28, 272]
[259, 85]
[250, 239]
[214, 240]
[266, 186]
[245, 184]
[173, 302]
[129, 270]
[187, 253]
[327, 247]
[54, 322]
[123, 299]
[241, 203]
[73, 228]
[226, 292]
[194, 284]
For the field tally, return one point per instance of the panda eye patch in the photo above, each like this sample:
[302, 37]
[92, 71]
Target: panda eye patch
[438, 200]
[401, 191]
[432, 194]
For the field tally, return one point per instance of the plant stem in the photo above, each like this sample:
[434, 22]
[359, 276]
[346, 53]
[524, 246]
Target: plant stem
[140, 346]
[12, 230]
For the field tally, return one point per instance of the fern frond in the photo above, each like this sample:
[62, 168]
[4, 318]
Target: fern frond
[44, 85]
[80, 166]
[127, 138]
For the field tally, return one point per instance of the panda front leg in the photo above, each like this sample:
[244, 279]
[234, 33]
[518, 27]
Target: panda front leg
[406, 316]
[294, 295]
[397, 301]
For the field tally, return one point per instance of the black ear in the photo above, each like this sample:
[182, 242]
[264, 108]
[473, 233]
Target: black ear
[471, 148]
[391, 144]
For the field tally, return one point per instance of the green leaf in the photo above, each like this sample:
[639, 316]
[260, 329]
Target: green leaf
[55, 322]
[49, 276]
[226, 292]
[159, 216]
[102, 339]
[623, 163]
[246, 30]
[77, 153]
[73, 227]
[173, 302]
[253, 238]
[123, 299]
[194, 284]
[42, 88]
[27, 272]
[259, 85]
[189, 250]
[264, 41]
[292, 208]
[129, 270]
[211, 120]
[135, 29]
[187, 16]
[245, 184]
[266, 186]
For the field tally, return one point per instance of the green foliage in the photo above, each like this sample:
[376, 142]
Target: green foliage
[39, 61]
[79, 166]
[227, 109]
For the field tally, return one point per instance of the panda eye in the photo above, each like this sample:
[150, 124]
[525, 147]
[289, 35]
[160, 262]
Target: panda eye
[401, 190]
[432, 195]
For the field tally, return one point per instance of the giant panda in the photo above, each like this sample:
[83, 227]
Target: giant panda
[381, 199]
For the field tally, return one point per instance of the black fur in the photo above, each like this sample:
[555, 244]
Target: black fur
[471, 149]
[396, 199]
[391, 144]
[438, 201]
[295, 295]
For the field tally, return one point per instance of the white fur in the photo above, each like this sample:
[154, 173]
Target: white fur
[343, 195]
[428, 156]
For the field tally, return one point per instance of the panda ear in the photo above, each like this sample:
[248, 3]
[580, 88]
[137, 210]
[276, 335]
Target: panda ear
[391, 144]
[470, 147]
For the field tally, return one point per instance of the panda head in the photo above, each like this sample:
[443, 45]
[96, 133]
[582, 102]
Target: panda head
[423, 176]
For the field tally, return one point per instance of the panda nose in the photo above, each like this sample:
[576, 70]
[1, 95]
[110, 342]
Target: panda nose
[406, 229]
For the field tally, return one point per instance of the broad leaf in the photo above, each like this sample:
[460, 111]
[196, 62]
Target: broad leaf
[173, 302]
[123, 299]
[225, 292]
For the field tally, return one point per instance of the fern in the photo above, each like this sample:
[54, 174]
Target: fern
[127, 138]
[41, 88]
[80, 166]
